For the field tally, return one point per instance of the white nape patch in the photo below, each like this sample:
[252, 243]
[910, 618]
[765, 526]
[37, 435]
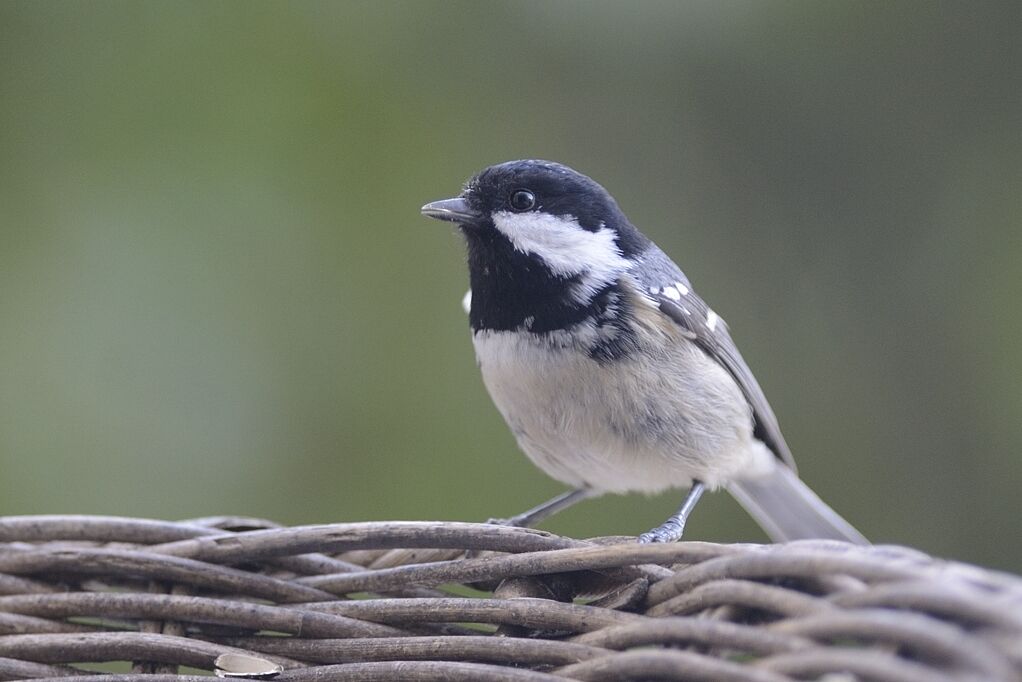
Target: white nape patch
[566, 248]
[711, 320]
[672, 293]
[682, 289]
[466, 302]
[528, 322]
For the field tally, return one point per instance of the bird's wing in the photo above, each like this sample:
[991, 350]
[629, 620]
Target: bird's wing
[665, 284]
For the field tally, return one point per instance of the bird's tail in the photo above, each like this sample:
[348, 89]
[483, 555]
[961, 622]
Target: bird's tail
[787, 509]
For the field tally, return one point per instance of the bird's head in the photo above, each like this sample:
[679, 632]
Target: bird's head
[538, 228]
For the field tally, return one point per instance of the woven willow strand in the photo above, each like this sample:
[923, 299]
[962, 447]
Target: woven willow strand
[461, 601]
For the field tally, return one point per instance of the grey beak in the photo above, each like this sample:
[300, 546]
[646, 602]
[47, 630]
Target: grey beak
[454, 210]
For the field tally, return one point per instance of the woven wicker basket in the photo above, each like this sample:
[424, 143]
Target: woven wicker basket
[459, 601]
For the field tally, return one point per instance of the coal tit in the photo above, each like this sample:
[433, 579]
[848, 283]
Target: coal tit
[612, 373]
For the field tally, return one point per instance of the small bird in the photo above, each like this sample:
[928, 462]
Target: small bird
[611, 372]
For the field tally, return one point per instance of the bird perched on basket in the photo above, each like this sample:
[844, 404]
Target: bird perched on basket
[612, 373]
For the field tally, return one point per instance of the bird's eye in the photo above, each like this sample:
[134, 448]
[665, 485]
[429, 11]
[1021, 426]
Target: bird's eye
[522, 200]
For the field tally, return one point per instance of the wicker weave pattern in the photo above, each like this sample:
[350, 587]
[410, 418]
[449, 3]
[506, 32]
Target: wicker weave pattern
[459, 601]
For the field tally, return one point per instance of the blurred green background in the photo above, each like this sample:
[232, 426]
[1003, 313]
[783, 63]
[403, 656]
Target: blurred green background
[217, 295]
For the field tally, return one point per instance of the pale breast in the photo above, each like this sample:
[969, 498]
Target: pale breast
[653, 420]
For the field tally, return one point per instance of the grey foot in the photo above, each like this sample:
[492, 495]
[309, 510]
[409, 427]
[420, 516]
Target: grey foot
[514, 521]
[669, 531]
[672, 529]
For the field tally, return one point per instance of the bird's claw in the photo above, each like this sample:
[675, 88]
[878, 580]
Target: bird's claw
[514, 522]
[669, 531]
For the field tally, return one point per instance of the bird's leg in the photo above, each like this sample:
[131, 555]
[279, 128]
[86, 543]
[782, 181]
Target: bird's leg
[537, 514]
[672, 529]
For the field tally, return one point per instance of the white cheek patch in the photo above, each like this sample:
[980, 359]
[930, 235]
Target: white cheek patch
[565, 247]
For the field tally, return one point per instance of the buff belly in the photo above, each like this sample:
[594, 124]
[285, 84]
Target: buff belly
[645, 423]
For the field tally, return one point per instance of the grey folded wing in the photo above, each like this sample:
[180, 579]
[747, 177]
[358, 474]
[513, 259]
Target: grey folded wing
[667, 286]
